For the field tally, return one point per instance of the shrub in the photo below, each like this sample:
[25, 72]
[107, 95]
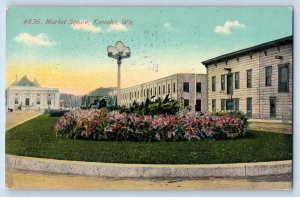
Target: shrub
[100, 125]
[238, 115]
[81, 124]
[158, 107]
[55, 112]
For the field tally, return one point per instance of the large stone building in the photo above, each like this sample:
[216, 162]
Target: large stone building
[26, 94]
[191, 88]
[256, 80]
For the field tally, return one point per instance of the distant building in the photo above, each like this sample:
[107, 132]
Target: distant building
[191, 88]
[256, 80]
[70, 101]
[30, 95]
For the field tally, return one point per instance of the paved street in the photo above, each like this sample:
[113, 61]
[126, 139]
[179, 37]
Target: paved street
[32, 180]
[15, 118]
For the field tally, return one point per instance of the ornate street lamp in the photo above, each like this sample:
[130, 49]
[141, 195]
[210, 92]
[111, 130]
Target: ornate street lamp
[118, 52]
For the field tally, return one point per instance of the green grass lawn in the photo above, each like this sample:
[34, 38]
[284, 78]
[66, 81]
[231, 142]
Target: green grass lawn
[35, 138]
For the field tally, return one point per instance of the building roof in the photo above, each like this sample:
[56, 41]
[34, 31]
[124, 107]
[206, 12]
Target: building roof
[163, 78]
[24, 81]
[250, 50]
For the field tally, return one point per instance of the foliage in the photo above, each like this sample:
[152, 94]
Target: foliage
[235, 114]
[81, 124]
[101, 91]
[55, 112]
[158, 107]
[100, 125]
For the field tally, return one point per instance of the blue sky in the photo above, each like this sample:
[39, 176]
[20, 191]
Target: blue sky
[163, 41]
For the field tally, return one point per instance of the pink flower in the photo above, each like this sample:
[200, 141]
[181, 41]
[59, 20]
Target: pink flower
[170, 134]
[157, 135]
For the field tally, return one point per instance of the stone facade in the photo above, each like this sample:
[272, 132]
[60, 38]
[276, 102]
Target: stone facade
[173, 85]
[254, 81]
[30, 95]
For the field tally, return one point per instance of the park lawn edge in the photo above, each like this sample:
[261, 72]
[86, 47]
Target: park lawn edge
[36, 138]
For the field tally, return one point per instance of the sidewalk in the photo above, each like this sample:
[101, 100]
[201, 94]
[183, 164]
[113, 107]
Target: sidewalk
[16, 179]
[285, 128]
[15, 118]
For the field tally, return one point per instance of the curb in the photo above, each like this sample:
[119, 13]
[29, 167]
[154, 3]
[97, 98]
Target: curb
[114, 170]
[289, 122]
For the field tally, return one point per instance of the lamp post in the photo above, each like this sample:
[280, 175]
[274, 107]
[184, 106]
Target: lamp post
[118, 52]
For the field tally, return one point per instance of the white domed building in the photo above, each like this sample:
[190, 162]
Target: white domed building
[26, 94]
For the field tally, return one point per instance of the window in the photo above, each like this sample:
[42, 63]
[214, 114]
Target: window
[27, 101]
[174, 88]
[16, 100]
[155, 91]
[237, 104]
[249, 107]
[229, 105]
[151, 92]
[223, 104]
[273, 107]
[213, 83]
[164, 89]
[169, 88]
[134, 94]
[144, 93]
[237, 80]
[198, 105]
[186, 102]
[38, 102]
[147, 93]
[283, 79]
[186, 87]
[138, 94]
[249, 78]
[213, 105]
[198, 87]
[229, 84]
[222, 82]
[49, 101]
[268, 73]
[158, 90]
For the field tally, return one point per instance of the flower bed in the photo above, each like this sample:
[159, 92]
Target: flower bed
[100, 125]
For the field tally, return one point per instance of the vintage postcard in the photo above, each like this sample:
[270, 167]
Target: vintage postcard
[149, 98]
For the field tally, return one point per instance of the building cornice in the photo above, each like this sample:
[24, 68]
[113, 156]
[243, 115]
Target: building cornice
[248, 51]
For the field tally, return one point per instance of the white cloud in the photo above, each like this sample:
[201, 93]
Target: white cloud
[117, 27]
[167, 25]
[86, 27]
[228, 25]
[37, 40]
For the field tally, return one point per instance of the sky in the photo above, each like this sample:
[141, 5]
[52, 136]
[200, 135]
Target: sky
[163, 40]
